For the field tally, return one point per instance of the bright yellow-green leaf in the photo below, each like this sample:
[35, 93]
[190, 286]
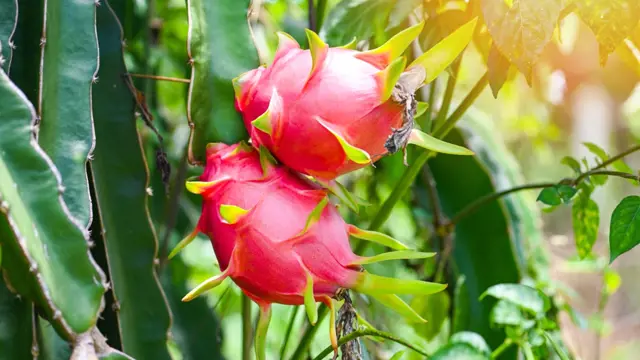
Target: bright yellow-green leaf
[442, 54]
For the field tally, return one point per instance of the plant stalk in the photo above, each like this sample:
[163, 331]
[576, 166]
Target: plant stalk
[370, 332]
[246, 328]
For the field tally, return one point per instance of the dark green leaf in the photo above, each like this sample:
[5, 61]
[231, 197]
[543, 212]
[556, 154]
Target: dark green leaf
[498, 68]
[16, 316]
[610, 20]
[527, 298]
[550, 196]
[69, 65]
[522, 31]
[362, 19]
[458, 351]
[50, 345]
[586, 220]
[461, 301]
[624, 231]
[472, 339]
[8, 22]
[127, 234]
[572, 163]
[217, 54]
[566, 192]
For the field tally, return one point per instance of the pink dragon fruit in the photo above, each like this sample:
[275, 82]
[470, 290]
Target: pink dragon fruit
[279, 238]
[328, 111]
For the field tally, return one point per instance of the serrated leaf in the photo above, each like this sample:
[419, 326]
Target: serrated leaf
[69, 64]
[525, 297]
[458, 351]
[472, 339]
[624, 229]
[522, 31]
[441, 55]
[128, 236]
[498, 69]
[586, 220]
[8, 22]
[48, 257]
[610, 20]
[217, 56]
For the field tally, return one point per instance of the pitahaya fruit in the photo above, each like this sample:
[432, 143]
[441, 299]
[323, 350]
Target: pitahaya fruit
[328, 111]
[281, 240]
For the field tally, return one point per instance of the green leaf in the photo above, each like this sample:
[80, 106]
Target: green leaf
[472, 339]
[586, 220]
[398, 355]
[506, 313]
[66, 129]
[525, 297]
[434, 308]
[610, 20]
[498, 69]
[462, 300]
[624, 231]
[597, 151]
[522, 31]
[441, 55]
[458, 351]
[361, 19]
[504, 233]
[572, 163]
[217, 56]
[48, 257]
[611, 281]
[429, 142]
[557, 194]
[129, 239]
[16, 316]
[8, 22]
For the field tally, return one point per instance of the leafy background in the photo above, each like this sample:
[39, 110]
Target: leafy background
[545, 77]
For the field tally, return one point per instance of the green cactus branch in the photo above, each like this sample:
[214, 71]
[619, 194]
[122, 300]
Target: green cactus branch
[48, 255]
[8, 22]
[68, 69]
[120, 180]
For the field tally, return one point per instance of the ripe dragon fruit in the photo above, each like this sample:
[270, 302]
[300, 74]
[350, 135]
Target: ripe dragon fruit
[328, 111]
[279, 238]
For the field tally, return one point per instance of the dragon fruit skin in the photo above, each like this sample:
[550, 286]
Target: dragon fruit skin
[324, 111]
[277, 236]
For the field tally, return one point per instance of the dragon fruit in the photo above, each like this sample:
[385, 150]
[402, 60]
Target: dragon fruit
[328, 111]
[281, 240]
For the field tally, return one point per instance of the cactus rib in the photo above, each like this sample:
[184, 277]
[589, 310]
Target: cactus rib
[8, 23]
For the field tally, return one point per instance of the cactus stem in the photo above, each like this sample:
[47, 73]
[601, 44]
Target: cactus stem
[261, 331]
[207, 285]
[376, 237]
[184, 242]
[309, 301]
[160, 78]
